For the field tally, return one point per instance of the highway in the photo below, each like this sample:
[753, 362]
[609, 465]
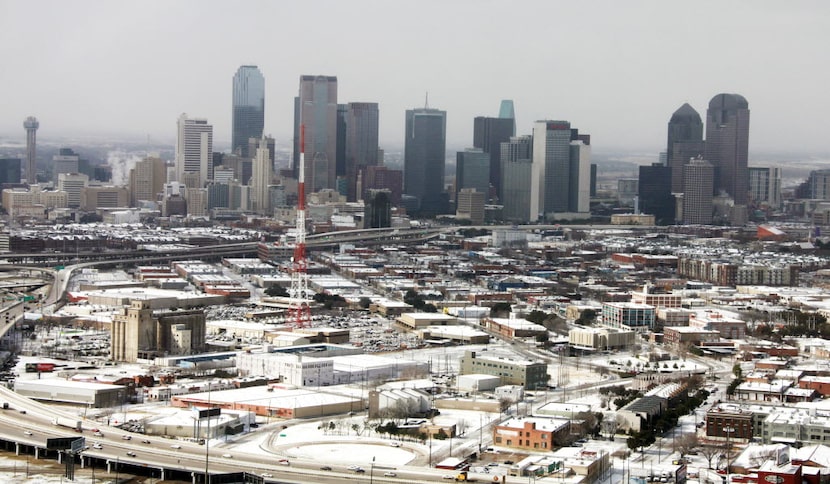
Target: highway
[167, 457]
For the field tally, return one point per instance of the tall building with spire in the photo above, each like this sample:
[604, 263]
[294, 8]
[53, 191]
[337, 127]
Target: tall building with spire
[248, 117]
[194, 151]
[685, 141]
[316, 109]
[727, 145]
[31, 125]
[507, 111]
[425, 145]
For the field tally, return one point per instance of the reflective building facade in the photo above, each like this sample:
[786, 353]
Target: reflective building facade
[425, 145]
[248, 108]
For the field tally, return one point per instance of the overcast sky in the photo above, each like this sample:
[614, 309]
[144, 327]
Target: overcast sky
[615, 69]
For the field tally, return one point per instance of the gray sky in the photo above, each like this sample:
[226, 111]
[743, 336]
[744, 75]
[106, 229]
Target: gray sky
[615, 69]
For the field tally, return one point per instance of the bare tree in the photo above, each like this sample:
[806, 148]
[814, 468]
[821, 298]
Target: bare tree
[710, 452]
[685, 444]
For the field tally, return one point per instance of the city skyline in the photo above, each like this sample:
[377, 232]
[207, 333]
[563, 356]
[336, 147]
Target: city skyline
[625, 78]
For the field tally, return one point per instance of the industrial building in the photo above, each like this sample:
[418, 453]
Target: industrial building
[527, 373]
[96, 395]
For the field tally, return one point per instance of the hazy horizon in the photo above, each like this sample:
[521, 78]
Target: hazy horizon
[615, 70]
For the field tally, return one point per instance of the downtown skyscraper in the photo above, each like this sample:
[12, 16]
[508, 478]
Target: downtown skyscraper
[248, 117]
[727, 145]
[684, 142]
[561, 170]
[425, 142]
[194, 151]
[31, 125]
[360, 143]
[316, 109]
[488, 135]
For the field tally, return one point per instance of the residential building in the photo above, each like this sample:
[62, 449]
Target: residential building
[765, 186]
[248, 109]
[194, 151]
[424, 160]
[698, 183]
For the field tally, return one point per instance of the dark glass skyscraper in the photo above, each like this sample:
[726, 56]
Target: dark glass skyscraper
[727, 144]
[654, 192]
[488, 135]
[248, 108]
[472, 169]
[685, 141]
[361, 142]
[425, 143]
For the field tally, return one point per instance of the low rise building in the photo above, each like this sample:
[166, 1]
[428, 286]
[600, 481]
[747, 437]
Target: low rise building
[600, 339]
[529, 374]
[531, 433]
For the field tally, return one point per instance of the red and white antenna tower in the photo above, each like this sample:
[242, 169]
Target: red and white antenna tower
[298, 305]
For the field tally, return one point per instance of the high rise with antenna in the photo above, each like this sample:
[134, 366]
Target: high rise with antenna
[298, 303]
[31, 125]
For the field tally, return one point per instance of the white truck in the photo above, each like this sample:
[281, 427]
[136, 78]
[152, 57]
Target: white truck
[73, 424]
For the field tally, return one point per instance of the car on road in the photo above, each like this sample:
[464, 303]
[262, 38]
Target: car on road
[227, 456]
[389, 474]
[325, 468]
[26, 432]
[97, 445]
[360, 470]
[447, 476]
[131, 453]
[126, 437]
[353, 468]
[175, 446]
[145, 441]
[283, 462]
[265, 474]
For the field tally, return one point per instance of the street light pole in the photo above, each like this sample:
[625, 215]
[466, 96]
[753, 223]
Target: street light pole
[372, 471]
